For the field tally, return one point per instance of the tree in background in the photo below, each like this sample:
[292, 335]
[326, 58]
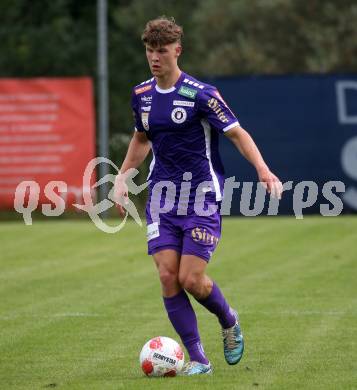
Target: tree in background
[276, 36]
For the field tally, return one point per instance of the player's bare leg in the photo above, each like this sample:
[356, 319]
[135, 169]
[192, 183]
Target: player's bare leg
[178, 305]
[167, 263]
[193, 279]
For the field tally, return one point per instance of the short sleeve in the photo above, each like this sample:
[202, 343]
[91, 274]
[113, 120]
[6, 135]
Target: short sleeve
[136, 113]
[215, 110]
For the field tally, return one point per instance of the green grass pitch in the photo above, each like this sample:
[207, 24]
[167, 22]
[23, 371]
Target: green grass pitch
[76, 306]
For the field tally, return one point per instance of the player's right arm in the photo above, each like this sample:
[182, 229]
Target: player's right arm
[138, 149]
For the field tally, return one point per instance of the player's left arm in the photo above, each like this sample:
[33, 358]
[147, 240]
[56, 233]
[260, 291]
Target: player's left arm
[247, 147]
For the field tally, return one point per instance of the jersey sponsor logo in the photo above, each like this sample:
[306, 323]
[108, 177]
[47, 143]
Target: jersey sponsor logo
[179, 115]
[138, 91]
[145, 120]
[146, 99]
[152, 231]
[201, 235]
[188, 92]
[146, 108]
[183, 103]
[217, 109]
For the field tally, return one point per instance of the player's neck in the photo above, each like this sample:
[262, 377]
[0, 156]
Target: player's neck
[169, 80]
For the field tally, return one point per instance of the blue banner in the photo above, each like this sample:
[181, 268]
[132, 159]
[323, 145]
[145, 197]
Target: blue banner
[306, 129]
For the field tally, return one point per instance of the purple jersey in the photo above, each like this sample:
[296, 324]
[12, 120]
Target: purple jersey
[183, 124]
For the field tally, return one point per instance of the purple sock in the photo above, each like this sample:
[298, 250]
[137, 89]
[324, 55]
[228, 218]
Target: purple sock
[217, 305]
[183, 319]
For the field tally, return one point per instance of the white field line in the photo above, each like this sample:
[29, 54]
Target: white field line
[289, 313]
[55, 315]
[302, 312]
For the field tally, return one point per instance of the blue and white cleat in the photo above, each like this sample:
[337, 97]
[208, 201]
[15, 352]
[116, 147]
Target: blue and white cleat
[233, 343]
[196, 368]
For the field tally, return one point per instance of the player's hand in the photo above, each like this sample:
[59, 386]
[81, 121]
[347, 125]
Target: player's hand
[120, 194]
[270, 182]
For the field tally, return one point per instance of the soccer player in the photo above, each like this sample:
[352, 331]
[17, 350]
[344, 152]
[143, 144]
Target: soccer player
[180, 118]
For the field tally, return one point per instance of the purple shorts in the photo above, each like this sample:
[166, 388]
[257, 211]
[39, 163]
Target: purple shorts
[188, 234]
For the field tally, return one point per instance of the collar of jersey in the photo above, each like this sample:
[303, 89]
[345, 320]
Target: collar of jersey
[160, 90]
[173, 88]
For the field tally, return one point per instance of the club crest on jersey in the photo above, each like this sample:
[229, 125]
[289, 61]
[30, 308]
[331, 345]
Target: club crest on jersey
[179, 115]
[145, 120]
[188, 92]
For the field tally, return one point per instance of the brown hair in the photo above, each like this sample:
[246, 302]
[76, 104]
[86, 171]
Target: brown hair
[162, 31]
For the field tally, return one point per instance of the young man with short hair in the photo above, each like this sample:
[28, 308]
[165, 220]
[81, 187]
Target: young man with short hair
[180, 118]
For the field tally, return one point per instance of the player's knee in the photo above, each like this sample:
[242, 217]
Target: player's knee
[190, 283]
[168, 277]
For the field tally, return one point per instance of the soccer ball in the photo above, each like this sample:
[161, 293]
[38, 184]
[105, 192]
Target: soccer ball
[161, 356]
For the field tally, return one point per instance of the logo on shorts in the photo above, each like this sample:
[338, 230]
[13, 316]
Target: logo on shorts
[179, 115]
[199, 234]
[152, 231]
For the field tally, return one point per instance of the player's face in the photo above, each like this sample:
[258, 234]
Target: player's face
[163, 59]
